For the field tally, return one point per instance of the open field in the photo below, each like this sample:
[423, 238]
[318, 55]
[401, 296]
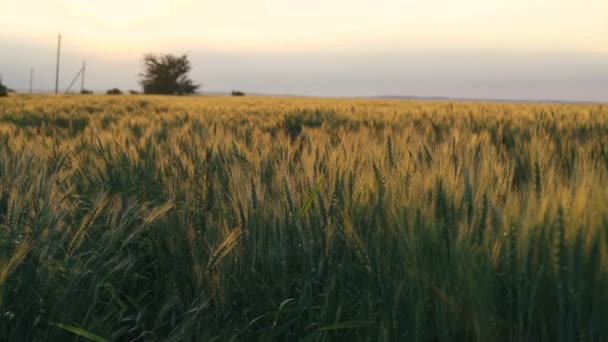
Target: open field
[189, 219]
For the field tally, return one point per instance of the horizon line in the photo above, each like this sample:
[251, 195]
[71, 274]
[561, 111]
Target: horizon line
[21, 91]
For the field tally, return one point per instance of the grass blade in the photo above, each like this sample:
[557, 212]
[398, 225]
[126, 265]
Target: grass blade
[81, 332]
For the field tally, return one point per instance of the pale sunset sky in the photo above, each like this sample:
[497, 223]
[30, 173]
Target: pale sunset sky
[487, 49]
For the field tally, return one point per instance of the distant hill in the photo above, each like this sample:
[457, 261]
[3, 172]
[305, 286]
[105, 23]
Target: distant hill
[382, 97]
[475, 99]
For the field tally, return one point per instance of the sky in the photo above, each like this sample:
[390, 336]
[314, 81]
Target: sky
[516, 49]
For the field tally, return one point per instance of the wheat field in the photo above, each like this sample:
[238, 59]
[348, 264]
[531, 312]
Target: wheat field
[141, 218]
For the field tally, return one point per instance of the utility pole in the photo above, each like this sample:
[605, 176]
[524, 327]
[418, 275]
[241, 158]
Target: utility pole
[84, 66]
[57, 69]
[31, 79]
[80, 75]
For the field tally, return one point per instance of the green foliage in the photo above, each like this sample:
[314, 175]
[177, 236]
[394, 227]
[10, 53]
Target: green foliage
[80, 332]
[293, 219]
[114, 91]
[3, 90]
[167, 74]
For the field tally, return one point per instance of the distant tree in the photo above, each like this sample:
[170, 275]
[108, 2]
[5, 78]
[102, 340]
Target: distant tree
[237, 93]
[3, 90]
[114, 91]
[133, 92]
[86, 92]
[167, 74]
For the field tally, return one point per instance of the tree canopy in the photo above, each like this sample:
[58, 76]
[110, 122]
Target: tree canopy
[3, 90]
[167, 74]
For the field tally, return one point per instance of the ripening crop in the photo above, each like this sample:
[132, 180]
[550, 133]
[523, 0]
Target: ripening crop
[140, 218]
